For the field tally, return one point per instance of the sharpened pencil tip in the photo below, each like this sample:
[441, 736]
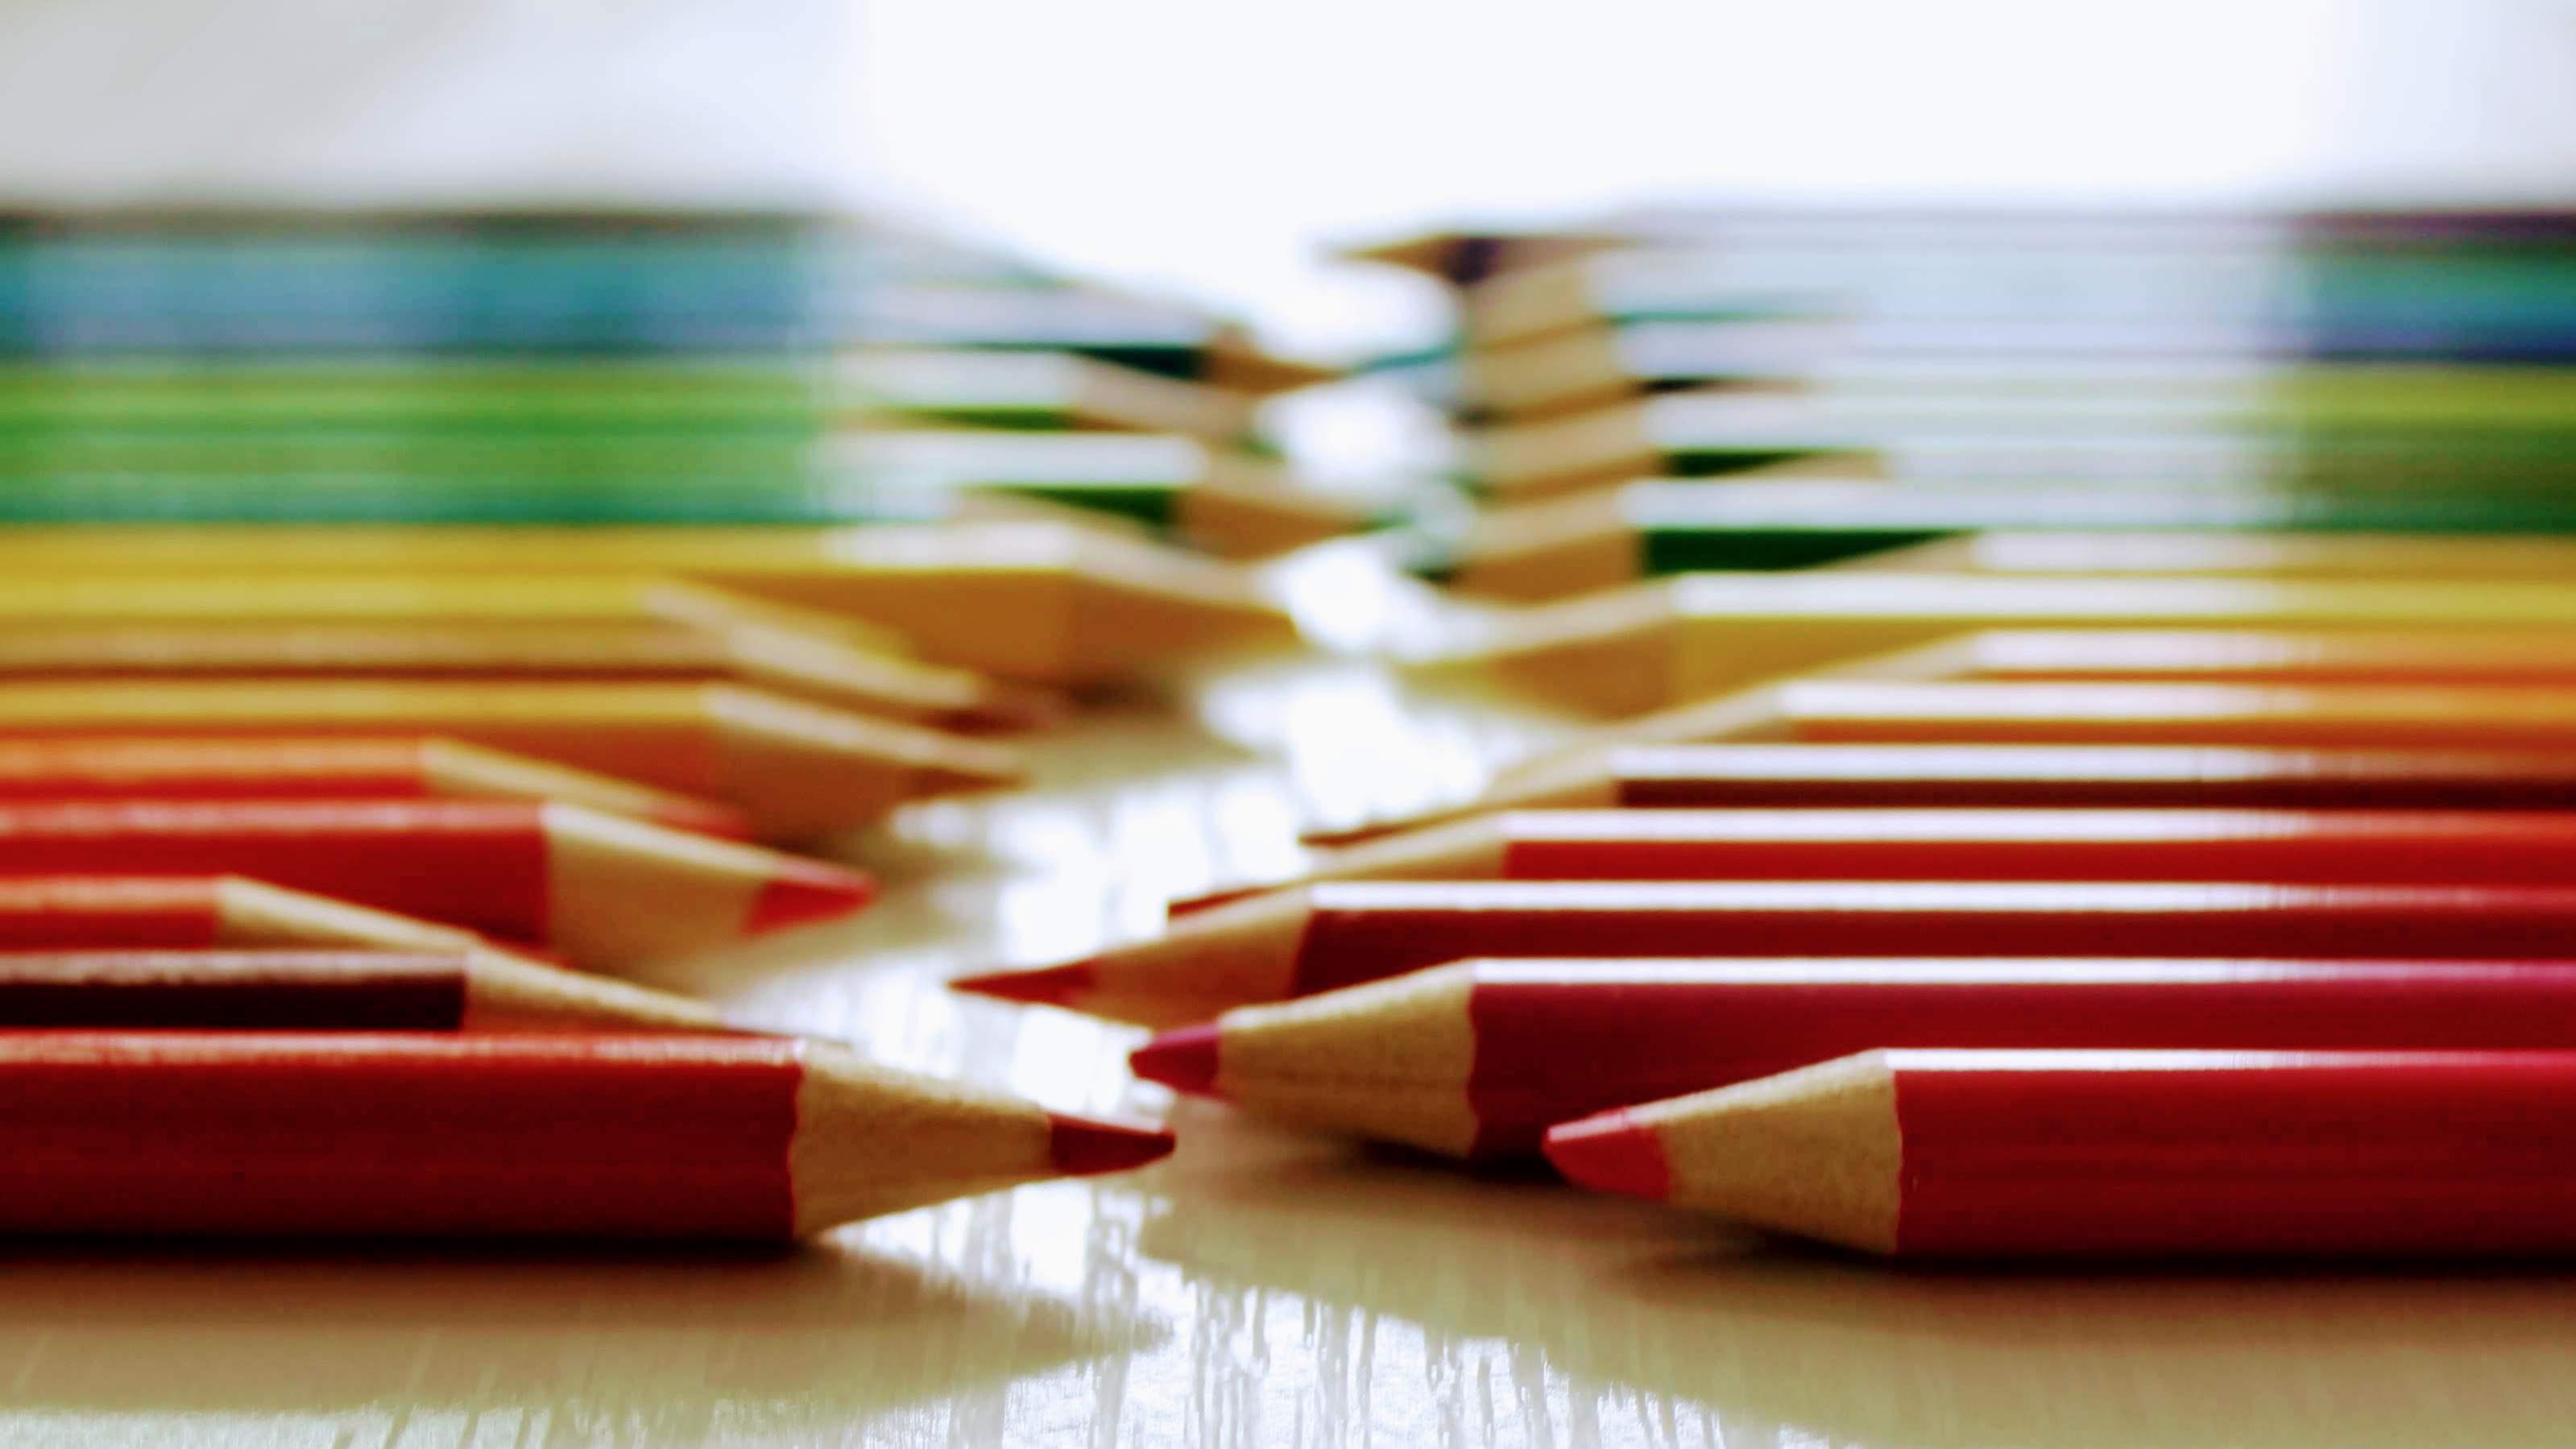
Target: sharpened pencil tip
[1046, 985]
[1611, 1152]
[801, 892]
[1183, 1060]
[1085, 1145]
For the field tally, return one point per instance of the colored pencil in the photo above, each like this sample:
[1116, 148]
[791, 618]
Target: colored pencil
[1224, 501]
[2322, 847]
[297, 575]
[2347, 716]
[1808, 776]
[792, 661]
[2259, 288]
[358, 767]
[1688, 237]
[2226, 656]
[1478, 1059]
[309, 1134]
[1136, 332]
[1721, 431]
[198, 912]
[1037, 602]
[2046, 1154]
[319, 990]
[1643, 530]
[605, 891]
[1042, 390]
[581, 400]
[2263, 555]
[1847, 366]
[1698, 635]
[1303, 941]
[797, 769]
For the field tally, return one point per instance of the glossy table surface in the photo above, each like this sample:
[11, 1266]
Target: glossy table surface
[1260, 1287]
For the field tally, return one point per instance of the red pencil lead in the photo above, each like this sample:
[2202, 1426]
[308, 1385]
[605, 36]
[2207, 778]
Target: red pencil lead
[1183, 1060]
[1046, 985]
[1084, 1145]
[802, 892]
[1611, 1152]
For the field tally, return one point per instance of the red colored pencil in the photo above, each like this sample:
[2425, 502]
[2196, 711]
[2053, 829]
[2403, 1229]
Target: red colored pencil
[391, 767]
[1478, 1059]
[2040, 1154]
[195, 912]
[2423, 847]
[539, 1135]
[1807, 776]
[318, 990]
[605, 890]
[1304, 941]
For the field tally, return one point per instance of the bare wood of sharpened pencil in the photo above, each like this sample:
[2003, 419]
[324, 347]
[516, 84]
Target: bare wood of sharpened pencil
[797, 768]
[1038, 602]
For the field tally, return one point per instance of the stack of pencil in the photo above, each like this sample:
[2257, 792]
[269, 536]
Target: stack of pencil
[1966, 903]
[321, 794]
[973, 374]
[582, 368]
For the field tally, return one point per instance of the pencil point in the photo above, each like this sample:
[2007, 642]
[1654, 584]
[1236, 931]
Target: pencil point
[1183, 1060]
[1611, 1152]
[1082, 1146]
[1046, 985]
[801, 892]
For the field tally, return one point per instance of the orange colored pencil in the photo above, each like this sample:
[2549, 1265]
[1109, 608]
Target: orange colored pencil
[798, 769]
[348, 767]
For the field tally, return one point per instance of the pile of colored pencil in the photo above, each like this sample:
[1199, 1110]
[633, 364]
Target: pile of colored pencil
[407, 616]
[2168, 849]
